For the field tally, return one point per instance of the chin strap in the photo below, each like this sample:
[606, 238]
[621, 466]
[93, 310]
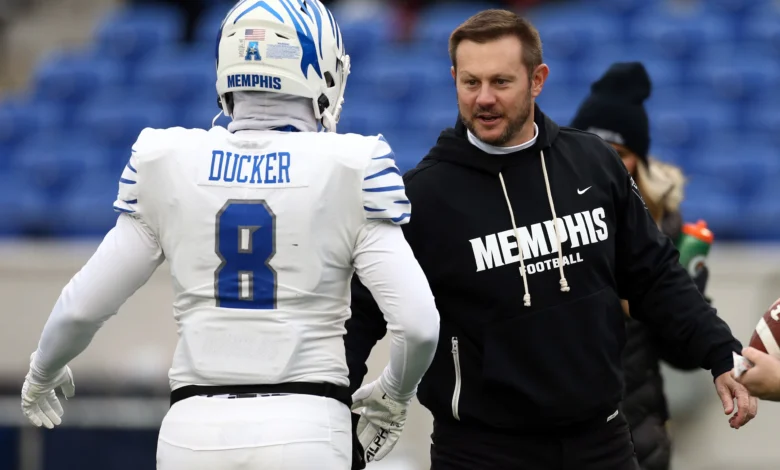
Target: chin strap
[214, 121]
[328, 121]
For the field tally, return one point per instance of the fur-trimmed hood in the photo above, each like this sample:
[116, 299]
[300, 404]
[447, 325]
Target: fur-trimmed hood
[662, 183]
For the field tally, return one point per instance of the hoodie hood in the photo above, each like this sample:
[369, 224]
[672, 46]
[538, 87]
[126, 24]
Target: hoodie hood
[453, 146]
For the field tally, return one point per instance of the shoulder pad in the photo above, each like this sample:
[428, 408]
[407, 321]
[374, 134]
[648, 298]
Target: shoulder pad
[384, 195]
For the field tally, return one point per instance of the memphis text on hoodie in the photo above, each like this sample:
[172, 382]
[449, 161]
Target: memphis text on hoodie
[499, 249]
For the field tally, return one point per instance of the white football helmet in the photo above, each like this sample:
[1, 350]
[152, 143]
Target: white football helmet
[283, 46]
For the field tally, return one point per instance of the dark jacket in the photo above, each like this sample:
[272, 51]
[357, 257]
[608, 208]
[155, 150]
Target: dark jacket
[503, 365]
[644, 403]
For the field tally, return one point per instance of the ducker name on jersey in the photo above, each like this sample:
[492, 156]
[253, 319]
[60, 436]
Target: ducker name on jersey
[229, 168]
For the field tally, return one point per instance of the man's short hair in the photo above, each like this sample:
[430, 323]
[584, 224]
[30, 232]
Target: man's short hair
[490, 25]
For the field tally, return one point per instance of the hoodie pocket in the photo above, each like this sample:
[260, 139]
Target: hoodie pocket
[563, 360]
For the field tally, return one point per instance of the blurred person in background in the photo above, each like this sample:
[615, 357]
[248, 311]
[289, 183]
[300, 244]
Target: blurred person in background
[529, 235]
[263, 225]
[615, 111]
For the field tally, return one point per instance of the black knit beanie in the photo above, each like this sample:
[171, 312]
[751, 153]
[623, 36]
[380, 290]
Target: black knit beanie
[615, 110]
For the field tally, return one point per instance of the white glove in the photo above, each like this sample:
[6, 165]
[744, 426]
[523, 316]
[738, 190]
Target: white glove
[39, 401]
[381, 420]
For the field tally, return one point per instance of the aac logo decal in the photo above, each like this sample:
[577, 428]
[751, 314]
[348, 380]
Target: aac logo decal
[252, 51]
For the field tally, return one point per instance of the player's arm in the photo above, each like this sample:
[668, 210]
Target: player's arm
[386, 266]
[649, 274]
[365, 328]
[388, 269]
[651, 278]
[123, 262]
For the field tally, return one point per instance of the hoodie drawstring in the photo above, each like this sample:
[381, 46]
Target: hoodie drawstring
[527, 296]
[564, 284]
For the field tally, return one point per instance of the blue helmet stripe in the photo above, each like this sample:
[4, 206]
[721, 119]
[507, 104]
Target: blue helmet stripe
[309, 55]
[332, 28]
[338, 34]
[318, 19]
[264, 6]
[304, 8]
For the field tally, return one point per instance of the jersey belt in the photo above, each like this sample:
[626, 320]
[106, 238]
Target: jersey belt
[294, 388]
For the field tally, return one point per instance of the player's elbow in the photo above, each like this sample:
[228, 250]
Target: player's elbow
[422, 333]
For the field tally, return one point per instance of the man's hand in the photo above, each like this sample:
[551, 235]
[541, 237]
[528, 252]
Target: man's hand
[381, 420]
[39, 400]
[729, 389]
[763, 378]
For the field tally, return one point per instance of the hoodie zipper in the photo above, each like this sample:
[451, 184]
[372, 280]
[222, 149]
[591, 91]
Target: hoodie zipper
[456, 392]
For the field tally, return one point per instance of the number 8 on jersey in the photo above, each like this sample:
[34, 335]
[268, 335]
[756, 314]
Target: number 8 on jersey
[245, 244]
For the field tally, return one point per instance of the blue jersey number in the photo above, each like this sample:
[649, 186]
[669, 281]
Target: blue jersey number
[245, 245]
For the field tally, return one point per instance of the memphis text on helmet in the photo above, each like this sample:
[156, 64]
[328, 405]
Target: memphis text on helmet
[254, 80]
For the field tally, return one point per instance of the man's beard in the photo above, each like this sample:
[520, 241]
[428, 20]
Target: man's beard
[513, 127]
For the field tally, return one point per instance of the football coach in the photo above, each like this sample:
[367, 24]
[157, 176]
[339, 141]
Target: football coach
[529, 235]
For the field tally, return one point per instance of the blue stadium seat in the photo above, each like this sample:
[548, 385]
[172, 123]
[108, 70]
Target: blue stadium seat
[765, 119]
[430, 119]
[365, 30]
[435, 23]
[70, 76]
[710, 199]
[560, 103]
[56, 161]
[411, 150]
[562, 76]
[208, 26]
[178, 75]
[199, 115]
[740, 79]
[689, 124]
[761, 31]
[627, 9]
[680, 34]
[21, 117]
[418, 75]
[118, 123]
[736, 7]
[132, 32]
[570, 32]
[87, 209]
[762, 214]
[369, 119]
[664, 74]
[743, 162]
[23, 206]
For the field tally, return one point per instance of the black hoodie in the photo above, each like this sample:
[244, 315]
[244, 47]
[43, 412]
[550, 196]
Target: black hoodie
[500, 363]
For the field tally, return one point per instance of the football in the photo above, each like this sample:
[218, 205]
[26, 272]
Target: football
[767, 334]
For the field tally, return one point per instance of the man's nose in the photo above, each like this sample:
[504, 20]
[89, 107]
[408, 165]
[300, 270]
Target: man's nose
[486, 98]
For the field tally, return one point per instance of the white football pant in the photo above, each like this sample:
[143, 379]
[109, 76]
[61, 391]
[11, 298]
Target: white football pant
[288, 432]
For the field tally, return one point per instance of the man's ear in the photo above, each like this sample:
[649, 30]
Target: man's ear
[538, 78]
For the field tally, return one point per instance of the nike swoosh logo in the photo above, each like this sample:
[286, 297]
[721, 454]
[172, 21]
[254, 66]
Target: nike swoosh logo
[581, 192]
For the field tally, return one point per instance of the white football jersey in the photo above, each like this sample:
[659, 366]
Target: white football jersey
[259, 229]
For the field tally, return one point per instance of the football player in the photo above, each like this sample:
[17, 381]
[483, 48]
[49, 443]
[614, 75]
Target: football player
[263, 225]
